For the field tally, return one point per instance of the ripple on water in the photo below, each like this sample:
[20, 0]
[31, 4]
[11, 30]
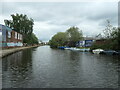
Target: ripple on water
[44, 67]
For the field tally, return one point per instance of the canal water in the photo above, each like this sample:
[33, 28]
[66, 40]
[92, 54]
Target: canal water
[43, 67]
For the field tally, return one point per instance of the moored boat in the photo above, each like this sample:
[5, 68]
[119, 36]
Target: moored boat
[110, 52]
[74, 49]
[78, 49]
[67, 48]
[61, 47]
[97, 51]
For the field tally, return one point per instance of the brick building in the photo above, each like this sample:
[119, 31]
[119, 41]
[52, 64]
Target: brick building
[10, 38]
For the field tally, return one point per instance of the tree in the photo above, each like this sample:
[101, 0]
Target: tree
[111, 38]
[59, 39]
[31, 39]
[8, 23]
[108, 30]
[68, 38]
[116, 38]
[22, 24]
[74, 35]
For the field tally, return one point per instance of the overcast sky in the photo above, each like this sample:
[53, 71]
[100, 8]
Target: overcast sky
[52, 17]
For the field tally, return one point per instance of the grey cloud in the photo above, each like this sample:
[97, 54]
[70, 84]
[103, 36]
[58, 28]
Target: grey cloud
[113, 21]
[63, 15]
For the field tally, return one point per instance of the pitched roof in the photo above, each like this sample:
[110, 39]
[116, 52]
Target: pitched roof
[5, 27]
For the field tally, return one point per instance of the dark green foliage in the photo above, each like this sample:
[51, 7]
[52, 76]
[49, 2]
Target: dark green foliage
[107, 45]
[59, 39]
[31, 39]
[22, 24]
[112, 39]
[118, 37]
[74, 35]
[68, 38]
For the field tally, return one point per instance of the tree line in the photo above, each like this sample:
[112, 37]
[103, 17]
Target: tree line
[111, 38]
[67, 38]
[24, 25]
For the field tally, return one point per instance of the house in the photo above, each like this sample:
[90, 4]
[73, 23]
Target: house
[80, 44]
[87, 42]
[10, 38]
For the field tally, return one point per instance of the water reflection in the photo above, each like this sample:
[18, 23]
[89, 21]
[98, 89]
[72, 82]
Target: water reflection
[17, 67]
[44, 67]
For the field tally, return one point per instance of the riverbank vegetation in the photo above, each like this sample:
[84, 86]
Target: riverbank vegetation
[68, 38]
[110, 39]
[59, 39]
[24, 25]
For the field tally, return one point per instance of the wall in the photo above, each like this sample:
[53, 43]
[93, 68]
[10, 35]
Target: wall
[10, 38]
[85, 43]
[88, 43]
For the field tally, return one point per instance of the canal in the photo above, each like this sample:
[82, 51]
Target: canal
[43, 67]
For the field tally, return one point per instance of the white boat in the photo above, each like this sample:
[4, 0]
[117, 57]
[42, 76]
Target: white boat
[67, 48]
[97, 51]
[77, 49]
[74, 49]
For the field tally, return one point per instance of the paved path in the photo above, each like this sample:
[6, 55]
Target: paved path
[6, 52]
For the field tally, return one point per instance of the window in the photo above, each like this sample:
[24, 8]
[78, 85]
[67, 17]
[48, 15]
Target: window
[9, 34]
[18, 36]
[15, 35]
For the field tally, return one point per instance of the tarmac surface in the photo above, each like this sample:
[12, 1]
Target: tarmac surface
[6, 52]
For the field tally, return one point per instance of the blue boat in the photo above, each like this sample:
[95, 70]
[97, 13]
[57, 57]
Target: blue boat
[61, 47]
